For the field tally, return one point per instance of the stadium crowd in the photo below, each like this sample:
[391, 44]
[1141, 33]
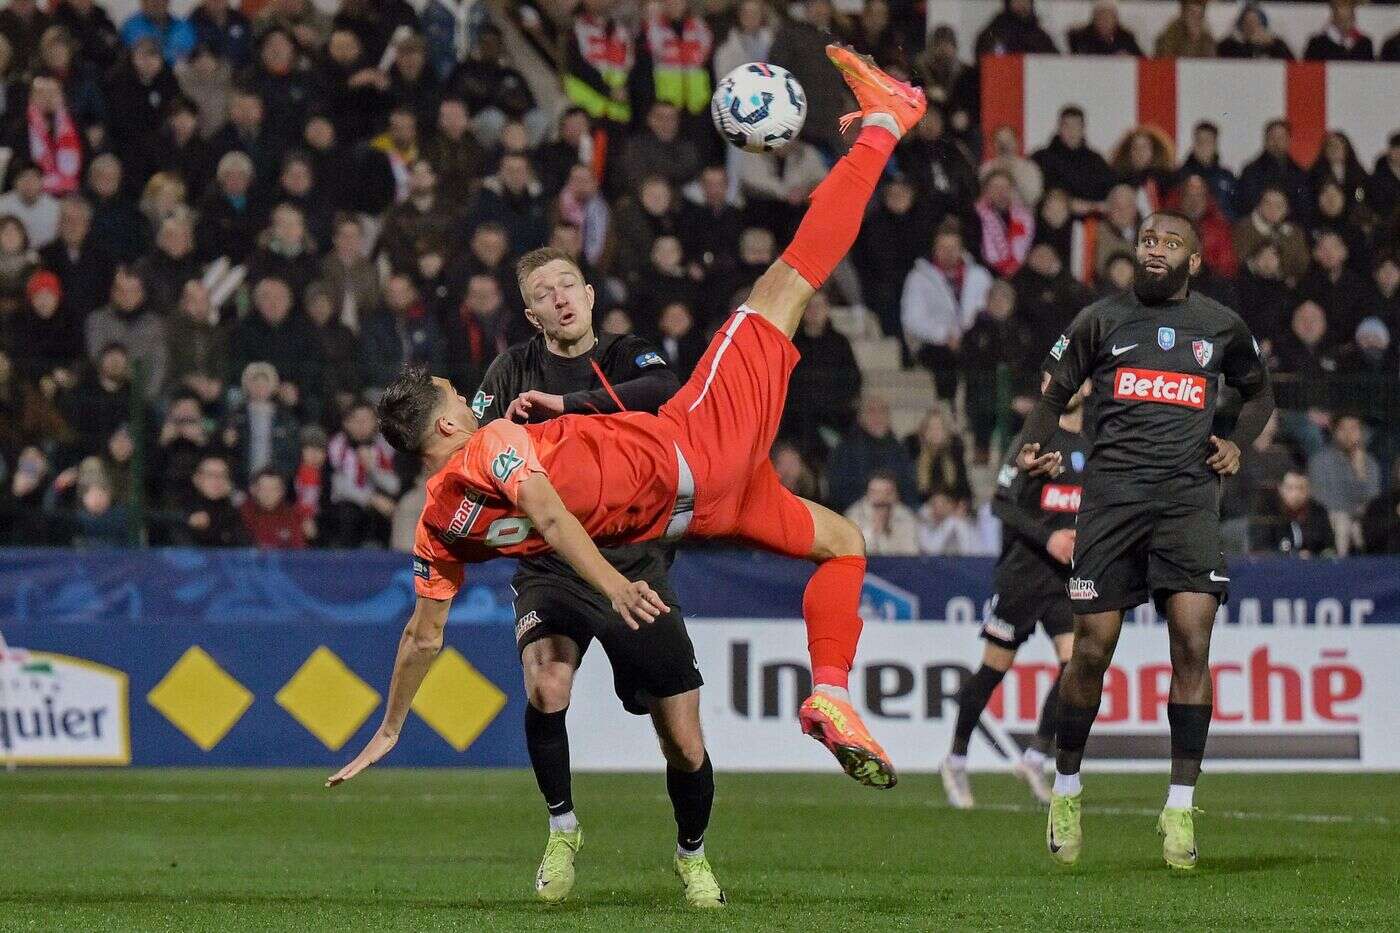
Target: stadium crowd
[220, 236]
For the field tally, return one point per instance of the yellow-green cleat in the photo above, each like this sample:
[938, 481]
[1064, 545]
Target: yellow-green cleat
[555, 877]
[1178, 831]
[701, 887]
[1064, 837]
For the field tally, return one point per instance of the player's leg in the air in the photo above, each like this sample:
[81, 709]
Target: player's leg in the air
[1081, 690]
[1031, 767]
[1190, 618]
[549, 663]
[690, 782]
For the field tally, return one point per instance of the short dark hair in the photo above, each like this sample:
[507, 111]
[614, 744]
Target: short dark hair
[406, 409]
[1073, 110]
[882, 474]
[1178, 215]
[1208, 126]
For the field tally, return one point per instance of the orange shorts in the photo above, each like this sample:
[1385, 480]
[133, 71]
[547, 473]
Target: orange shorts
[726, 417]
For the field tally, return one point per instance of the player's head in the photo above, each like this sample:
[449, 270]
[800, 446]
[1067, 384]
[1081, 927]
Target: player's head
[421, 413]
[557, 299]
[1168, 254]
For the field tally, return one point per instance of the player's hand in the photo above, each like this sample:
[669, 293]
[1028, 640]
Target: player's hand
[1061, 545]
[637, 602]
[1226, 459]
[1031, 461]
[533, 402]
[378, 747]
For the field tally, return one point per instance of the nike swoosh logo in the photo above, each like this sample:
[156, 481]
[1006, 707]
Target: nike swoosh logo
[1119, 351]
[1217, 578]
[1054, 846]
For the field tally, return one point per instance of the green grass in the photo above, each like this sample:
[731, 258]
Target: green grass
[419, 850]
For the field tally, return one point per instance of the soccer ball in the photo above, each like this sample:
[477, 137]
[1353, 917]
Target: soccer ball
[758, 107]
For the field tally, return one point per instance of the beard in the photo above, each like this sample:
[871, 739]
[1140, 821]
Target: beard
[1153, 289]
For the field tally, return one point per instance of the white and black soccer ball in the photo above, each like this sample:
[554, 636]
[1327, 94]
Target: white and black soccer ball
[758, 107]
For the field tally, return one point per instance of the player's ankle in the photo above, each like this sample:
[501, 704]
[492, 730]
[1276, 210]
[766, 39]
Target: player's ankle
[1181, 796]
[1067, 785]
[833, 691]
[884, 121]
[563, 822]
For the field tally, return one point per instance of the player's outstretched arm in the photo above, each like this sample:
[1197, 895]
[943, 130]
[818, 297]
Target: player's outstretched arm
[633, 600]
[421, 641]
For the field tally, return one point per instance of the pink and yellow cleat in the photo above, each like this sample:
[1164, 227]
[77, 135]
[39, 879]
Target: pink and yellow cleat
[877, 92]
[837, 725]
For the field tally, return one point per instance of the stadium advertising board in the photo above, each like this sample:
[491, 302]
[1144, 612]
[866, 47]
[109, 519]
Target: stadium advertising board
[1298, 699]
[61, 710]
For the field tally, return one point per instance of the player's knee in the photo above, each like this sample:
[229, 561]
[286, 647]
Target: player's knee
[1191, 650]
[1092, 654]
[548, 689]
[842, 538]
[684, 754]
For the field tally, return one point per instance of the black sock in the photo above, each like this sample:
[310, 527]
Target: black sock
[692, 796]
[1190, 723]
[1049, 712]
[548, 742]
[972, 700]
[1071, 734]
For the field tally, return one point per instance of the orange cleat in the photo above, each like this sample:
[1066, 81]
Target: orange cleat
[877, 92]
[837, 725]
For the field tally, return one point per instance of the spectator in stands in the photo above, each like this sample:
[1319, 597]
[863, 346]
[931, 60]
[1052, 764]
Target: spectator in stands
[285, 251]
[1349, 220]
[997, 338]
[1007, 226]
[82, 264]
[1116, 231]
[272, 333]
[101, 401]
[1387, 282]
[308, 25]
[1194, 199]
[363, 484]
[1344, 296]
[709, 229]
[678, 43]
[749, 38]
[1252, 38]
[1069, 164]
[1293, 523]
[405, 333]
[90, 28]
[128, 320]
[679, 339]
[1247, 493]
[938, 163]
[1103, 34]
[270, 520]
[659, 149]
[230, 213]
[224, 30]
[891, 239]
[800, 47]
[309, 480]
[262, 431]
[937, 454]
[1274, 167]
[413, 83]
[1380, 526]
[23, 501]
[1383, 192]
[869, 445]
[399, 146]
[947, 529]
[496, 92]
[776, 186]
[185, 439]
[639, 221]
[951, 84]
[207, 80]
[174, 36]
[1117, 277]
[1341, 40]
[1268, 224]
[666, 280]
[165, 270]
[1014, 31]
[573, 144]
[1308, 354]
[425, 212]
[1265, 299]
[1204, 160]
[1047, 298]
[1143, 159]
[249, 132]
[183, 152]
[339, 347]
[28, 202]
[139, 90]
[97, 518]
[1024, 173]
[1187, 36]
[350, 277]
[825, 383]
[117, 223]
[17, 263]
[453, 150]
[514, 199]
[353, 91]
[1345, 479]
[52, 140]
[794, 473]
[478, 330]
[1337, 162]
[942, 296]
[889, 526]
[210, 517]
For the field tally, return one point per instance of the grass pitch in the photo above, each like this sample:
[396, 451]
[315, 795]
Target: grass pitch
[457, 850]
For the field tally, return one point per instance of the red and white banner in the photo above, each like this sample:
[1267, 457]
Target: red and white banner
[1119, 94]
[1303, 699]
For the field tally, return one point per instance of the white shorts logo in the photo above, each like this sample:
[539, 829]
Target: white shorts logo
[997, 628]
[526, 622]
[1082, 589]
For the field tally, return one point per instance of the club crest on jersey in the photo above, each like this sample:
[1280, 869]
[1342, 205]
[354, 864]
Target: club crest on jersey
[1082, 589]
[1061, 345]
[649, 359]
[1166, 337]
[1203, 350]
[479, 403]
[506, 463]
[1076, 460]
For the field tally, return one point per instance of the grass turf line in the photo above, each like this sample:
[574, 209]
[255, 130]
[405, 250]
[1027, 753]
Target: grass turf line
[456, 850]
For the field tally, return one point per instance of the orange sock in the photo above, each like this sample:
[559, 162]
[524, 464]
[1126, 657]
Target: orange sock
[831, 606]
[833, 219]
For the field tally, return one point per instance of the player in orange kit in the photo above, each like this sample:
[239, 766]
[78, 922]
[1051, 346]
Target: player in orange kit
[698, 467]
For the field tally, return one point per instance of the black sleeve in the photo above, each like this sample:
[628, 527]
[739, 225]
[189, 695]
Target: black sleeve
[640, 379]
[1008, 505]
[495, 395]
[1069, 363]
[1245, 370]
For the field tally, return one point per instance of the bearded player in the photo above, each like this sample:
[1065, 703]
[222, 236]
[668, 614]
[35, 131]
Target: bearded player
[698, 467]
[1149, 519]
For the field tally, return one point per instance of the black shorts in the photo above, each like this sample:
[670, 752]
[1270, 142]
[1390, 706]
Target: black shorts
[654, 661]
[1127, 552]
[1016, 610]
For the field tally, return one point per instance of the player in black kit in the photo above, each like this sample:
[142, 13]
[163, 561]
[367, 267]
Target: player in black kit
[1148, 525]
[567, 368]
[1037, 542]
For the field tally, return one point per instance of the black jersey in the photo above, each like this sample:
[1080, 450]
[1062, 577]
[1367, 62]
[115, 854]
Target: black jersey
[1156, 372]
[618, 374]
[1031, 508]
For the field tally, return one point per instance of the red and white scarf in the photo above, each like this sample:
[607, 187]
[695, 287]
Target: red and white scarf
[56, 149]
[1005, 244]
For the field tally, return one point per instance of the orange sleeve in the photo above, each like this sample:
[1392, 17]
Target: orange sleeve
[503, 455]
[436, 574]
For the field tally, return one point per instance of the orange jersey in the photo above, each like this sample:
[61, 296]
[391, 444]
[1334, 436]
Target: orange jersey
[617, 474]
